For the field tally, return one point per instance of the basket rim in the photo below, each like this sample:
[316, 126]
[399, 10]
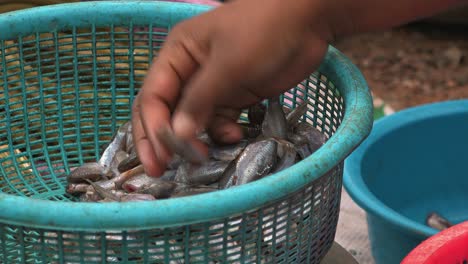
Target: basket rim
[79, 216]
[354, 183]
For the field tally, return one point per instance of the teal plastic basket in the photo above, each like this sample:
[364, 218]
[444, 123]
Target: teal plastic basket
[69, 75]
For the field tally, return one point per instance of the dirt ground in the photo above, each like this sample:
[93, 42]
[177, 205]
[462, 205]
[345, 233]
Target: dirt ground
[415, 64]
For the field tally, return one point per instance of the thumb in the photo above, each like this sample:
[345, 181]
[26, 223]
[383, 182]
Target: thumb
[199, 98]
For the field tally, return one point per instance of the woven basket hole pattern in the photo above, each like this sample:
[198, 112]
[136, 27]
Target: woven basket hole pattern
[65, 93]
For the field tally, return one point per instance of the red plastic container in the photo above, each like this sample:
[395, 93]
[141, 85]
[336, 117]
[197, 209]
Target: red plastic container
[449, 246]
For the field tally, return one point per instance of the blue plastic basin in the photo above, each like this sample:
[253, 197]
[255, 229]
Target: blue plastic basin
[413, 162]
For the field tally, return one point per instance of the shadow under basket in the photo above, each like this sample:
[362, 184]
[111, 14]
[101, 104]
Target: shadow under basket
[69, 74]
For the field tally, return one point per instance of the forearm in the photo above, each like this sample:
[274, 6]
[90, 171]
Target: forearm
[359, 16]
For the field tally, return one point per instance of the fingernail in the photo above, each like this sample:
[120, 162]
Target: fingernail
[149, 158]
[184, 125]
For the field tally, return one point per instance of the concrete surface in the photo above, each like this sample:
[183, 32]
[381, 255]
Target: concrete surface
[352, 230]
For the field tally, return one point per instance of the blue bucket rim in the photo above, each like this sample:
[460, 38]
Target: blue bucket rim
[79, 216]
[352, 180]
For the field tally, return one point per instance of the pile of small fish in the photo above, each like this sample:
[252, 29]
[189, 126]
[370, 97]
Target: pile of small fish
[274, 139]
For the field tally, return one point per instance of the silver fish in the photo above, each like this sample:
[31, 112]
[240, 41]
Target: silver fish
[118, 143]
[132, 151]
[207, 173]
[168, 175]
[129, 145]
[190, 191]
[113, 170]
[274, 124]
[125, 176]
[287, 155]
[134, 197]
[293, 117]
[303, 151]
[119, 193]
[256, 113]
[103, 192]
[229, 177]
[180, 147]
[74, 188]
[175, 162]
[256, 161]
[88, 171]
[90, 196]
[146, 184]
[250, 131]
[301, 145]
[106, 184]
[436, 221]
[129, 163]
[315, 139]
[162, 189]
[297, 139]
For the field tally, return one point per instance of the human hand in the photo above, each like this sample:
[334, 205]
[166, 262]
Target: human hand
[216, 64]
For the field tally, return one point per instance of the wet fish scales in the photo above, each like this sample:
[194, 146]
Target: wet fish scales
[250, 131]
[135, 197]
[160, 190]
[103, 192]
[90, 196]
[125, 176]
[149, 185]
[227, 153]
[106, 184]
[228, 165]
[256, 113]
[175, 162]
[129, 144]
[228, 178]
[207, 173]
[293, 117]
[88, 171]
[129, 163]
[117, 143]
[113, 171]
[274, 124]
[190, 191]
[286, 154]
[180, 146]
[256, 161]
[168, 175]
[315, 139]
[138, 182]
[74, 188]
[303, 151]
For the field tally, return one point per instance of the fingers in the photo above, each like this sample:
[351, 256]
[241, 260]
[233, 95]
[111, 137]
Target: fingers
[208, 87]
[143, 146]
[224, 128]
[156, 101]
